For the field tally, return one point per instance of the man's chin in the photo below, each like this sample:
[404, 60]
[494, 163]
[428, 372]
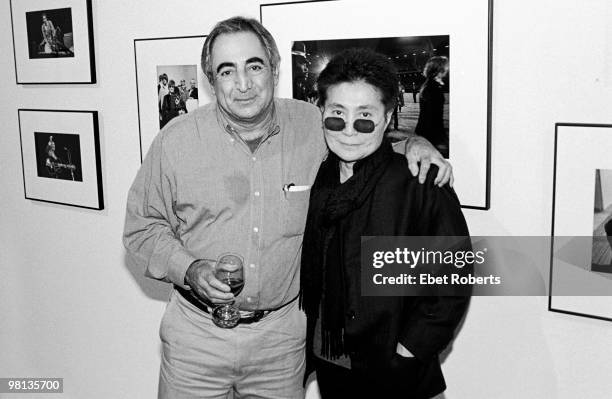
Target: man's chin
[248, 115]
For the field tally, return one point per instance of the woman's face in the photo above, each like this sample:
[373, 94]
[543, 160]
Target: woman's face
[349, 102]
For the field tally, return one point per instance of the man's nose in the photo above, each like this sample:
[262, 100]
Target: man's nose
[243, 81]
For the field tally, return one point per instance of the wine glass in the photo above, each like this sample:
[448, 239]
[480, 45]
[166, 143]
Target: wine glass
[229, 270]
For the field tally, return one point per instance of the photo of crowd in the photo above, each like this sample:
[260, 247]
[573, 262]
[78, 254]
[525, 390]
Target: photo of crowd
[177, 91]
[422, 64]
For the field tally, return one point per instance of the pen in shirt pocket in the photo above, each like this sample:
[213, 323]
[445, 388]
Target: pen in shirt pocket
[292, 188]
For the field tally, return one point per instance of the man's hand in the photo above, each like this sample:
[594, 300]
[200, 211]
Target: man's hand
[420, 150]
[200, 277]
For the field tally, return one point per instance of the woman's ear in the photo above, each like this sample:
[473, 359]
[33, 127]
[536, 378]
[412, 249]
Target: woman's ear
[388, 116]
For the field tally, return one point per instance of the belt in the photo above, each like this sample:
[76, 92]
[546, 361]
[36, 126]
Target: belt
[247, 317]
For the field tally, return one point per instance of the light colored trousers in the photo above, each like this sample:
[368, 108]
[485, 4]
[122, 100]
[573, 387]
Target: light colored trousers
[260, 360]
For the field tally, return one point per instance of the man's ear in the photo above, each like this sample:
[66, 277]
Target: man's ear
[275, 73]
[211, 86]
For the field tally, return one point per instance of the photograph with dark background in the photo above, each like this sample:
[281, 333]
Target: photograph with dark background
[410, 54]
[58, 156]
[50, 33]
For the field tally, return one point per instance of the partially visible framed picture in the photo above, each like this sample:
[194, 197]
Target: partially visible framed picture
[438, 32]
[581, 245]
[60, 154]
[169, 82]
[53, 41]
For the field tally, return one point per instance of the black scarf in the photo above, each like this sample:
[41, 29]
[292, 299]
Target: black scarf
[323, 270]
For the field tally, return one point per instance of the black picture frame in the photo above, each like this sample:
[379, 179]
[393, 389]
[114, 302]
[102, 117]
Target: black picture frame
[574, 304]
[465, 184]
[71, 60]
[178, 50]
[77, 177]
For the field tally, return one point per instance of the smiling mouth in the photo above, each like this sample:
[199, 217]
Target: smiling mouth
[245, 100]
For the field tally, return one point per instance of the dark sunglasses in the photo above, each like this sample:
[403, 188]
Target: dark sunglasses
[337, 124]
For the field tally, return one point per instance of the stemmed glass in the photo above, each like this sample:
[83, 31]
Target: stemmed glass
[229, 270]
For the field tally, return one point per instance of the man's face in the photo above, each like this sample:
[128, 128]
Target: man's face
[193, 83]
[243, 78]
[171, 89]
[351, 101]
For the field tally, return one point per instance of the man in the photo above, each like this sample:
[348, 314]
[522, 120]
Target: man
[193, 91]
[232, 176]
[172, 105]
[54, 166]
[183, 91]
[398, 107]
[48, 44]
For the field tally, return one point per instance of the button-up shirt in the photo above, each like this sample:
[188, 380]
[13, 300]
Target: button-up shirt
[201, 192]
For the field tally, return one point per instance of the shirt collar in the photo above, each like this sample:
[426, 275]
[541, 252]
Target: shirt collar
[273, 128]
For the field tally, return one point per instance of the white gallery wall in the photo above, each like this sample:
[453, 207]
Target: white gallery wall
[71, 307]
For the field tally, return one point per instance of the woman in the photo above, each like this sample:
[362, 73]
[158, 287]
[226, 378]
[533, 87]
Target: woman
[370, 346]
[431, 122]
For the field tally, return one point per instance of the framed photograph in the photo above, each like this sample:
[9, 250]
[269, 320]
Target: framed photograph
[169, 82]
[53, 41]
[60, 154]
[581, 246]
[417, 37]
[409, 55]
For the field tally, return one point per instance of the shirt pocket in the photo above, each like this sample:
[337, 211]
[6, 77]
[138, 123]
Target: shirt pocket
[294, 210]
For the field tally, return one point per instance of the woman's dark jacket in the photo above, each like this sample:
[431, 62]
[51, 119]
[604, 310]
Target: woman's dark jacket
[391, 202]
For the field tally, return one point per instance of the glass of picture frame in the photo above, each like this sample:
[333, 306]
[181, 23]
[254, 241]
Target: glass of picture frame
[53, 41]
[581, 245]
[160, 63]
[442, 28]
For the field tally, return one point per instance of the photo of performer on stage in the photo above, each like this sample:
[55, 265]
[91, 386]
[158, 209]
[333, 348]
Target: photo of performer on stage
[50, 33]
[58, 156]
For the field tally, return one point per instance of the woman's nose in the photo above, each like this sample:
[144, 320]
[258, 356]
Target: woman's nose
[349, 130]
